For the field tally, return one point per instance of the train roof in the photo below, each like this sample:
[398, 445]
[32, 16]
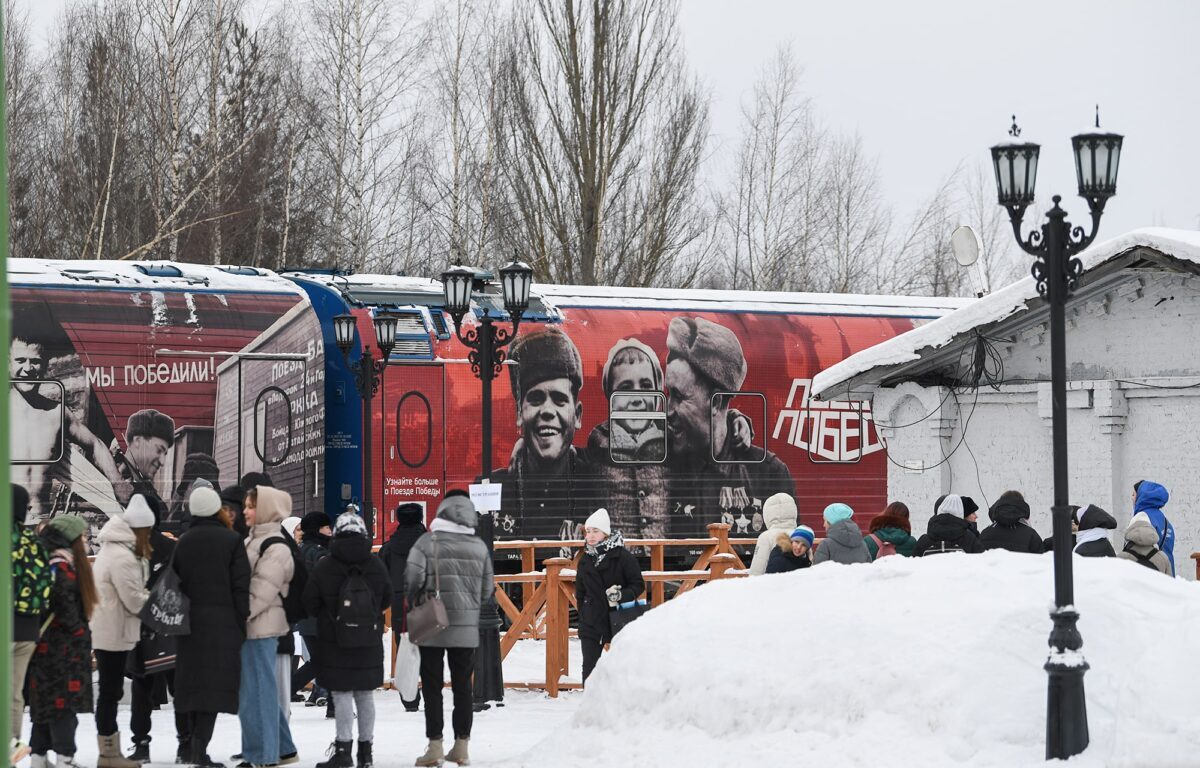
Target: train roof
[399, 290]
[148, 275]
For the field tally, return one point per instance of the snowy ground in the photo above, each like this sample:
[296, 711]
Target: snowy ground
[934, 662]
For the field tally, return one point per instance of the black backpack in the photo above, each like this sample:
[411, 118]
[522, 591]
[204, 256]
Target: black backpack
[357, 618]
[1146, 559]
[293, 601]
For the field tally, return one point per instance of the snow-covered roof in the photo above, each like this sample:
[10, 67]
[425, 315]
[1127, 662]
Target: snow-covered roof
[1178, 244]
[148, 275]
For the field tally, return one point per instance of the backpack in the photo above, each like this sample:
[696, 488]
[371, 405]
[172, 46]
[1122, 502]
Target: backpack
[356, 620]
[942, 547]
[882, 548]
[1146, 559]
[293, 601]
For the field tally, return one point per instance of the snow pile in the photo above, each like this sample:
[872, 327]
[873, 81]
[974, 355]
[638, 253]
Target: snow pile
[929, 662]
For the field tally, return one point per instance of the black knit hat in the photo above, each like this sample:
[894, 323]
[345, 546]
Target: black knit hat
[314, 522]
[151, 423]
[199, 465]
[20, 507]
[409, 513]
[255, 479]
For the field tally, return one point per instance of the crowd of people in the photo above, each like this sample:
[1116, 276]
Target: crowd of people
[247, 575]
[209, 620]
[1148, 539]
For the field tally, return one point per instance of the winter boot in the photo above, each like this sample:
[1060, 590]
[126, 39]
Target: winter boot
[329, 713]
[110, 753]
[40, 761]
[433, 755]
[140, 752]
[365, 758]
[411, 706]
[340, 756]
[458, 754]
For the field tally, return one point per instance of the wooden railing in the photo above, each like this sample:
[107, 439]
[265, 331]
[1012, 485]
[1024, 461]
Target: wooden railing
[547, 595]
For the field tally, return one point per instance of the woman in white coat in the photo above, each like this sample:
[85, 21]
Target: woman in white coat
[121, 569]
[781, 517]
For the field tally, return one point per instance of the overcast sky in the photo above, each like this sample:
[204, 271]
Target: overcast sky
[929, 84]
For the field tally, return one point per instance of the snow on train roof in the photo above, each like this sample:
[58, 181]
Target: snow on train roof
[565, 296]
[751, 301]
[168, 275]
[908, 346]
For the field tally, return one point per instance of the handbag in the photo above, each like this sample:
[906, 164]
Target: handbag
[154, 653]
[428, 617]
[625, 613]
[166, 610]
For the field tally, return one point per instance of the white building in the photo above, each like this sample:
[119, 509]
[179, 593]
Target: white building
[964, 401]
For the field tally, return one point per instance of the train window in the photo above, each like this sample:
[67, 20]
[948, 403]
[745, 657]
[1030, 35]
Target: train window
[412, 413]
[273, 428]
[38, 420]
[745, 427]
[637, 427]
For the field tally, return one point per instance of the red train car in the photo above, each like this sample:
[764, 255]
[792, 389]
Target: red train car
[671, 409]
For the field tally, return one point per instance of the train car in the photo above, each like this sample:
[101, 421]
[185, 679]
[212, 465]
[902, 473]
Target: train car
[671, 409]
[142, 377]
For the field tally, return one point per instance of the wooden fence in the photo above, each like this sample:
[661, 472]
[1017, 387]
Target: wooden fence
[547, 595]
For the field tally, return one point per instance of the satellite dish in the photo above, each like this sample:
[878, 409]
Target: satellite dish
[966, 244]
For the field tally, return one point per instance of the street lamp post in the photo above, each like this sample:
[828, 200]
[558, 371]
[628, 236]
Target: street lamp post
[1057, 271]
[487, 343]
[368, 377]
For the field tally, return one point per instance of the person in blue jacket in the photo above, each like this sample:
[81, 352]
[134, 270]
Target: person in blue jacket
[1150, 497]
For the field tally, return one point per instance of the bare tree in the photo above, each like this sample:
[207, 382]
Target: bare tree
[366, 62]
[599, 135]
[774, 214]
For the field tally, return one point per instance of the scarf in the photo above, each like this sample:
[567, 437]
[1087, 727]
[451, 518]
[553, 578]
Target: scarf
[601, 550]
[1090, 534]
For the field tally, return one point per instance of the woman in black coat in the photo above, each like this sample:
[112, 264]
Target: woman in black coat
[1010, 527]
[215, 575]
[351, 674]
[608, 575]
[948, 531]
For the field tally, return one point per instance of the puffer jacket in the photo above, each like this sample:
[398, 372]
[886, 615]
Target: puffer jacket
[454, 557]
[893, 529]
[843, 544]
[1141, 538]
[270, 571]
[121, 578]
[947, 532]
[1151, 498]
[1093, 537]
[783, 561]
[780, 516]
[1010, 529]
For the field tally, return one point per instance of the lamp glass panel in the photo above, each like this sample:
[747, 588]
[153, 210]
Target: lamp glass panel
[1031, 185]
[385, 331]
[343, 331]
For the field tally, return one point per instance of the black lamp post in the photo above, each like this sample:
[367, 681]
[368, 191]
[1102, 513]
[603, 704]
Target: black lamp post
[1057, 272]
[368, 376]
[487, 343]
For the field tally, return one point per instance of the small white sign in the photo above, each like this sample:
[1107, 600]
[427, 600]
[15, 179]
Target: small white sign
[486, 496]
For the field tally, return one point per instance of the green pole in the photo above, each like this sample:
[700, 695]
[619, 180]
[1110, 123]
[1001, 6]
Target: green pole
[5, 498]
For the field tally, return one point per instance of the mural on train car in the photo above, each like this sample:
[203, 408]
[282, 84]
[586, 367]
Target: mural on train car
[113, 392]
[670, 420]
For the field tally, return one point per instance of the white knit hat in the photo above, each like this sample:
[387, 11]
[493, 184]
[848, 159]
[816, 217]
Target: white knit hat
[599, 520]
[204, 502]
[138, 514]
